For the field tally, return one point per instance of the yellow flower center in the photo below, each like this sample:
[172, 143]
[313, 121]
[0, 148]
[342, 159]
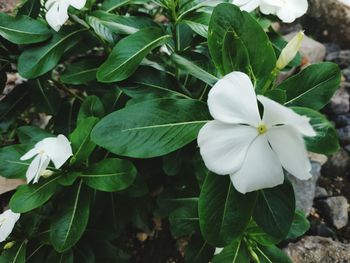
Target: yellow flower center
[262, 128]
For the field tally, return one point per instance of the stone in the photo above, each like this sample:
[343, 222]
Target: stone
[320, 192]
[321, 230]
[331, 47]
[335, 210]
[340, 102]
[314, 51]
[346, 73]
[315, 249]
[335, 15]
[7, 185]
[338, 164]
[342, 58]
[7, 6]
[344, 134]
[305, 190]
[342, 120]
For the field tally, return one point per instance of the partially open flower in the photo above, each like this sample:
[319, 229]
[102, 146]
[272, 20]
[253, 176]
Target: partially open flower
[57, 11]
[290, 51]
[251, 149]
[8, 220]
[58, 150]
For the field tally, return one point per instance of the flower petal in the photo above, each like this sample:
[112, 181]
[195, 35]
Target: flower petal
[58, 149]
[44, 163]
[8, 219]
[290, 148]
[57, 15]
[78, 4]
[261, 168]
[233, 100]
[30, 154]
[224, 146]
[33, 168]
[247, 5]
[275, 114]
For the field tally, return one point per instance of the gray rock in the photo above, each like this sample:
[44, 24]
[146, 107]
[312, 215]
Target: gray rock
[342, 120]
[346, 73]
[340, 102]
[305, 190]
[335, 14]
[336, 210]
[344, 134]
[320, 192]
[338, 164]
[314, 51]
[342, 58]
[314, 249]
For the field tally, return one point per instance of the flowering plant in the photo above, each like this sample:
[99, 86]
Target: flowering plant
[167, 110]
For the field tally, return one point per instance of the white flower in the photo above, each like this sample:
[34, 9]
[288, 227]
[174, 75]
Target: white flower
[251, 149]
[8, 220]
[290, 51]
[57, 11]
[286, 10]
[58, 150]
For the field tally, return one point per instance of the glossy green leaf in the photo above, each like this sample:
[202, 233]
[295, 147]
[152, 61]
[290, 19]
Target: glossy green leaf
[30, 196]
[127, 55]
[299, 226]
[17, 254]
[81, 72]
[70, 222]
[91, 107]
[274, 210]
[32, 134]
[229, 18]
[270, 254]
[111, 5]
[67, 257]
[110, 175]
[80, 139]
[313, 87]
[326, 140]
[198, 250]
[101, 30]
[194, 70]
[23, 29]
[199, 23]
[38, 60]
[29, 8]
[10, 164]
[221, 207]
[151, 128]
[236, 252]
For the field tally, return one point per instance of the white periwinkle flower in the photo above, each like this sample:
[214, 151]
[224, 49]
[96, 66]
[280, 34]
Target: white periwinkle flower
[8, 220]
[290, 51]
[286, 10]
[57, 11]
[251, 149]
[55, 149]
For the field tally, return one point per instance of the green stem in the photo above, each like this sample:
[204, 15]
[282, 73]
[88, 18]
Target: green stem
[270, 81]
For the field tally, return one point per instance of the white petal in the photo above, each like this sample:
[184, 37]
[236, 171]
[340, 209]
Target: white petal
[30, 154]
[247, 5]
[8, 219]
[261, 168]
[78, 4]
[290, 148]
[292, 10]
[33, 168]
[276, 114]
[224, 146]
[57, 15]
[58, 149]
[233, 100]
[44, 163]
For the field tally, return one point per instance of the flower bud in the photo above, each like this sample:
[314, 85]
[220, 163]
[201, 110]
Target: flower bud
[47, 173]
[9, 245]
[290, 51]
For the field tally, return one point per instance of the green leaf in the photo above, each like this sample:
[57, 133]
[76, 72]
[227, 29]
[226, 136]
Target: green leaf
[81, 72]
[221, 207]
[299, 226]
[70, 222]
[91, 107]
[127, 55]
[235, 55]
[80, 139]
[151, 128]
[101, 30]
[10, 164]
[38, 60]
[326, 139]
[29, 8]
[229, 18]
[255, 233]
[277, 95]
[199, 23]
[110, 175]
[30, 196]
[271, 254]
[16, 254]
[111, 5]
[198, 250]
[193, 69]
[236, 252]
[23, 29]
[313, 87]
[274, 210]
[67, 257]
[32, 134]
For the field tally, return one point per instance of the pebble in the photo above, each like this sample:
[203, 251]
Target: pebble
[337, 165]
[342, 58]
[335, 210]
[340, 102]
[320, 192]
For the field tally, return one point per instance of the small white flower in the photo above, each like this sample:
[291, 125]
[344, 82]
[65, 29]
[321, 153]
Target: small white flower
[55, 149]
[251, 149]
[8, 220]
[57, 11]
[286, 10]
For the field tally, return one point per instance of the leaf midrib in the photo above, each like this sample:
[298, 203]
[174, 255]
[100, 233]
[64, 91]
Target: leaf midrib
[102, 175]
[164, 125]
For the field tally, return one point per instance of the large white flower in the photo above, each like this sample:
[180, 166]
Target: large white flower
[8, 220]
[286, 10]
[55, 149]
[251, 149]
[57, 11]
